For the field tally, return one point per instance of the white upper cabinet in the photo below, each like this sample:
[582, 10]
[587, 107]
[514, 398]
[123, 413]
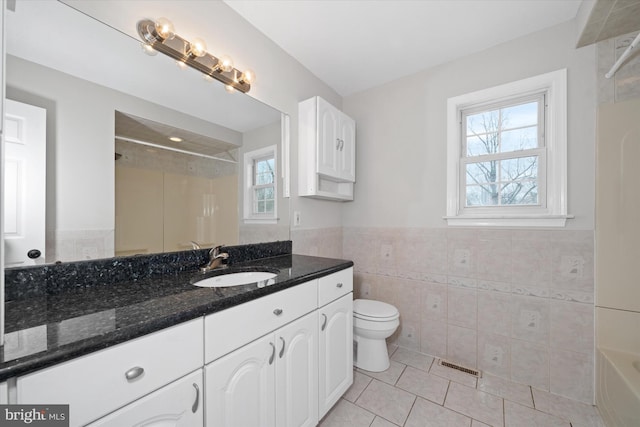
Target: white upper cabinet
[327, 151]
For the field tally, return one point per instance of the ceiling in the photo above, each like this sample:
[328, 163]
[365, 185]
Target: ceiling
[353, 45]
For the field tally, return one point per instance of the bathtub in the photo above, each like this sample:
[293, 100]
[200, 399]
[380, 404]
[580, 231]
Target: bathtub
[618, 388]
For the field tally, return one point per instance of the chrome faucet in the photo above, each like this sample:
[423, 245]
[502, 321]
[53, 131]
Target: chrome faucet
[215, 259]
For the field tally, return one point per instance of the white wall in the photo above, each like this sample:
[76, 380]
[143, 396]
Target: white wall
[465, 294]
[401, 161]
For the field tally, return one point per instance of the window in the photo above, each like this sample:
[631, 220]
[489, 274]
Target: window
[260, 201]
[506, 157]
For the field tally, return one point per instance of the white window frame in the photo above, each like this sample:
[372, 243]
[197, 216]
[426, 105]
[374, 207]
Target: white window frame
[552, 212]
[249, 160]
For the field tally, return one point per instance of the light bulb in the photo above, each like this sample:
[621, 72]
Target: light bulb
[207, 77]
[248, 76]
[197, 47]
[225, 63]
[165, 28]
[148, 49]
[181, 64]
[229, 88]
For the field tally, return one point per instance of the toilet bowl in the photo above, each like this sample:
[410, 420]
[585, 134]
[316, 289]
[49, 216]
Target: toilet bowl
[373, 322]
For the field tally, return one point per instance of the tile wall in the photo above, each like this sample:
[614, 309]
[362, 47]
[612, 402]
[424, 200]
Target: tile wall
[518, 304]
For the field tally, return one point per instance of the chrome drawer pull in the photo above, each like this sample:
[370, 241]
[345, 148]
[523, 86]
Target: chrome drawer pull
[277, 311]
[194, 408]
[134, 373]
[282, 349]
[339, 285]
[324, 324]
[273, 353]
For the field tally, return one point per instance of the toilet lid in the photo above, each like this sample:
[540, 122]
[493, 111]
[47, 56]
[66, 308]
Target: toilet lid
[366, 308]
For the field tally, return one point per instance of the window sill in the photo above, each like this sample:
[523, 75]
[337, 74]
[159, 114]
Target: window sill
[507, 220]
[260, 220]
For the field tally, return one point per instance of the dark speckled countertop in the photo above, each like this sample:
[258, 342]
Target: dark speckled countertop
[47, 328]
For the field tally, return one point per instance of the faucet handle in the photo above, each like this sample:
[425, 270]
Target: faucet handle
[195, 245]
[215, 251]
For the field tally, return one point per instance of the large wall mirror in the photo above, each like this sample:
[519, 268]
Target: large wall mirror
[108, 111]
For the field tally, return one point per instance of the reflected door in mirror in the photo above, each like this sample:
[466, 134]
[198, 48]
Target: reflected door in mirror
[24, 183]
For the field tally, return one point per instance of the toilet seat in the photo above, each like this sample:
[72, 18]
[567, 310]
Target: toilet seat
[375, 311]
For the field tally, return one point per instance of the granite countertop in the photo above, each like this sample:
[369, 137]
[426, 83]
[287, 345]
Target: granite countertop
[51, 328]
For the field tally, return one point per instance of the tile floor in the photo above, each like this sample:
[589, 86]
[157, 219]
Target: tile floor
[416, 392]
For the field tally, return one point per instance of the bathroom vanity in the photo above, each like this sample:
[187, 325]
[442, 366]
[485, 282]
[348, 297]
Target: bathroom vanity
[159, 350]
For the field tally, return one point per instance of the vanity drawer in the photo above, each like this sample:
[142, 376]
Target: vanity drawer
[334, 286]
[230, 329]
[97, 384]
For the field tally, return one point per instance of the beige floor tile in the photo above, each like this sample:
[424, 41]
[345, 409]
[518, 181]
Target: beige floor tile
[346, 414]
[430, 387]
[428, 414]
[516, 415]
[580, 414]
[506, 389]
[476, 404]
[412, 358]
[381, 422]
[476, 423]
[386, 401]
[390, 376]
[360, 382]
[453, 375]
[391, 348]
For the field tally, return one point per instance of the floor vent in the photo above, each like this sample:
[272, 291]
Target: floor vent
[474, 372]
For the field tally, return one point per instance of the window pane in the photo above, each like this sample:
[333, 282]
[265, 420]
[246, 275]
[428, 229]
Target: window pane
[479, 173]
[268, 193]
[482, 144]
[264, 171]
[261, 206]
[482, 122]
[520, 115]
[269, 206]
[519, 139]
[482, 195]
[519, 168]
[520, 193]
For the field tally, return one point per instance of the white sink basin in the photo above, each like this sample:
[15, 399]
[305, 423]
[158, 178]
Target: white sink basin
[236, 279]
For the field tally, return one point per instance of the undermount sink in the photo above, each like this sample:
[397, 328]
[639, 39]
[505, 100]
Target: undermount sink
[236, 279]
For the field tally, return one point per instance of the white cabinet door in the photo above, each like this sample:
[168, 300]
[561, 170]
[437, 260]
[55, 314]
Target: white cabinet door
[328, 142]
[335, 323]
[297, 373]
[178, 404]
[240, 387]
[347, 150]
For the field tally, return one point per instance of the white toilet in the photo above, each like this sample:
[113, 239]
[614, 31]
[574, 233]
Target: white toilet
[373, 322]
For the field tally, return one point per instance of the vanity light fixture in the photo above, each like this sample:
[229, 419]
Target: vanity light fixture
[175, 138]
[160, 36]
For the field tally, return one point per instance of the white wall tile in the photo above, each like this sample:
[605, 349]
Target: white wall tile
[572, 326]
[462, 345]
[433, 338]
[494, 354]
[462, 307]
[530, 319]
[494, 312]
[530, 364]
[572, 375]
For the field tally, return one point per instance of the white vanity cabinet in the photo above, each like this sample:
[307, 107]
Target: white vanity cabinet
[179, 404]
[269, 382]
[294, 373]
[335, 325]
[327, 151]
[102, 382]
[4, 394]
